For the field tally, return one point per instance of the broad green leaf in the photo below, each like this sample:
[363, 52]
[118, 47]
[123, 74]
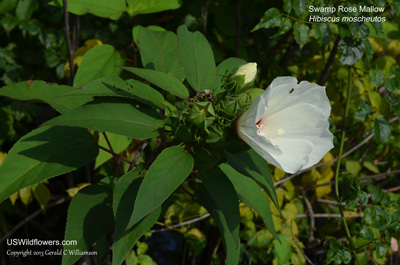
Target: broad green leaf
[220, 200]
[287, 5]
[394, 104]
[197, 59]
[359, 30]
[99, 61]
[118, 143]
[114, 86]
[251, 194]
[90, 217]
[25, 9]
[362, 113]
[158, 51]
[369, 50]
[272, 18]
[101, 8]
[136, 7]
[7, 5]
[252, 165]
[367, 233]
[301, 32]
[382, 130]
[162, 80]
[396, 6]
[322, 33]
[392, 84]
[43, 92]
[44, 153]
[9, 22]
[125, 193]
[381, 249]
[166, 173]
[115, 115]
[350, 51]
[376, 77]
[300, 7]
[282, 250]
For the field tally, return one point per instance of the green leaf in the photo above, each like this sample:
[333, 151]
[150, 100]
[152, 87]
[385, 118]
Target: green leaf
[272, 18]
[392, 84]
[301, 32]
[166, 173]
[43, 92]
[252, 165]
[7, 5]
[136, 7]
[125, 193]
[376, 77]
[251, 194]
[99, 61]
[220, 200]
[90, 217]
[369, 50]
[115, 115]
[362, 113]
[114, 86]
[367, 233]
[8, 22]
[300, 7]
[197, 59]
[162, 80]
[377, 194]
[101, 8]
[282, 250]
[381, 249]
[396, 6]
[287, 5]
[394, 104]
[25, 9]
[322, 33]
[359, 30]
[350, 51]
[382, 130]
[45, 153]
[158, 51]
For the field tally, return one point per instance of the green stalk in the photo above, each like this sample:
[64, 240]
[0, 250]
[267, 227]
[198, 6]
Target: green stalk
[349, 87]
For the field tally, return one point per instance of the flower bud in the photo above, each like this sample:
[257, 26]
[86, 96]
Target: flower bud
[249, 71]
[202, 115]
[242, 78]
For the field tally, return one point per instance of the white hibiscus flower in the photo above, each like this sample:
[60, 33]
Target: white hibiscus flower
[288, 124]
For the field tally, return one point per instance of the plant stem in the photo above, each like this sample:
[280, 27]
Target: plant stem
[349, 87]
[69, 45]
[114, 155]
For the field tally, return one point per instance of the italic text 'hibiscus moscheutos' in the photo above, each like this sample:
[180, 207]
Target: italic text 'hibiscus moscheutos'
[288, 124]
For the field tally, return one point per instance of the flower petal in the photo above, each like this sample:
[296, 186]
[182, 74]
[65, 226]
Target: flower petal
[305, 92]
[292, 158]
[302, 122]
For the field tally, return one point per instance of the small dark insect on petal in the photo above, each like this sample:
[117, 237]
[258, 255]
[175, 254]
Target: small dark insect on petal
[290, 92]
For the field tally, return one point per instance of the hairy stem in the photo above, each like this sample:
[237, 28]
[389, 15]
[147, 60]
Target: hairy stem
[339, 205]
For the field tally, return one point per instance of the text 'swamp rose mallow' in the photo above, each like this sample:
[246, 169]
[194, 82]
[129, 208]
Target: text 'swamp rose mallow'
[288, 124]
